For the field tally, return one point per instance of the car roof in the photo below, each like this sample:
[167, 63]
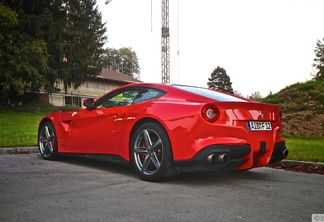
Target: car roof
[178, 91]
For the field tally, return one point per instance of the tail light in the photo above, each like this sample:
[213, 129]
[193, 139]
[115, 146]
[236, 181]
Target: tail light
[210, 113]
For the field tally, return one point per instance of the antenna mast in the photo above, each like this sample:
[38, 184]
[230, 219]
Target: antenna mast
[165, 43]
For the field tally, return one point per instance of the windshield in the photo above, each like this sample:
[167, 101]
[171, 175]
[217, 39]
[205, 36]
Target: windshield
[211, 94]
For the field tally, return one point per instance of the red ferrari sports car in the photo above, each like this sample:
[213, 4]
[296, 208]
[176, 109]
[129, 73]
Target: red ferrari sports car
[163, 129]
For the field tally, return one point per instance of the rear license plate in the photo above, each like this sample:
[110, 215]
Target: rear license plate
[256, 125]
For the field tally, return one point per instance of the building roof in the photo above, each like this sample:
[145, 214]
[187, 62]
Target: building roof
[113, 75]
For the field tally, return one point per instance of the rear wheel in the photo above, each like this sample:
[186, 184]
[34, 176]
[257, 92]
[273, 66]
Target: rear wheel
[47, 141]
[151, 153]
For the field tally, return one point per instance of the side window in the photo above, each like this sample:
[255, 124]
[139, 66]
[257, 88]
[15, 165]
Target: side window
[120, 98]
[147, 94]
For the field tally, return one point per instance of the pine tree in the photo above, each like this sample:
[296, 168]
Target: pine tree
[319, 60]
[84, 40]
[220, 80]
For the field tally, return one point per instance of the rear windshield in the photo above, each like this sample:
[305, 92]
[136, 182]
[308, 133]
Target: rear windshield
[210, 94]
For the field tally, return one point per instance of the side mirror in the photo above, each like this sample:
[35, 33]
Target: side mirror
[88, 103]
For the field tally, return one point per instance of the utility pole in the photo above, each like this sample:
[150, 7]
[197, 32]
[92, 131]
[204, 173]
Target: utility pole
[165, 43]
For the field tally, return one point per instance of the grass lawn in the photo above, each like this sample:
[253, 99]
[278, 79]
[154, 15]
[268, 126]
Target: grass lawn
[305, 148]
[18, 128]
[19, 125]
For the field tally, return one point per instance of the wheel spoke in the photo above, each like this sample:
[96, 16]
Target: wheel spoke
[44, 147]
[42, 139]
[48, 148]
[146, 163]
[147, 138]
[140, 150]
[157, 144]
[155, 160]
[47, 133]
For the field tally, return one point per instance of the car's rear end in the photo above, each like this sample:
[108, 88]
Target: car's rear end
[262, 128]
[238, 134]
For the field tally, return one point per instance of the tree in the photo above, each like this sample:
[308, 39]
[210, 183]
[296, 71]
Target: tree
[42, 41]
[220, 80]
[255, 95]
[84, 37]
[55, 38]
[123, 60]
[237, 93]
[23, 58]
[319, 60]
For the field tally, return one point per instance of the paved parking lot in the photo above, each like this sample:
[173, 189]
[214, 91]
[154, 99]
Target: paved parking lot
[78, 189]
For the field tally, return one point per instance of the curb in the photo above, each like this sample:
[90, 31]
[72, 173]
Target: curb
[16, 150]
[298, 162]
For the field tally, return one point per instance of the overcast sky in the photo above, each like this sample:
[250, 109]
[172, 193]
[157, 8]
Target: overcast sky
[264, 45]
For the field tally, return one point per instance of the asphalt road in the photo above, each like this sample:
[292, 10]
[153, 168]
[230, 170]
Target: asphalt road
[74, 189]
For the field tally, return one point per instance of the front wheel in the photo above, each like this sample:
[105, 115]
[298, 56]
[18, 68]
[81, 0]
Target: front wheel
[151, 153]
[47, 141]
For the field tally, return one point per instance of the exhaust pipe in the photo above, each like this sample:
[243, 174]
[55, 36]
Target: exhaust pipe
[222, 158]
[285, 153]
[212, 158]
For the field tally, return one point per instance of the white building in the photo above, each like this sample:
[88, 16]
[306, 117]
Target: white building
[106, 81]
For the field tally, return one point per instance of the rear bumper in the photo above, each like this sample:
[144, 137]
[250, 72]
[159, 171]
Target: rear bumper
[225, 157]
[280, 152]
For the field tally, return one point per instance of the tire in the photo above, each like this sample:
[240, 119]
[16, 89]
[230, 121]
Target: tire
[151, 153]
[47, 141]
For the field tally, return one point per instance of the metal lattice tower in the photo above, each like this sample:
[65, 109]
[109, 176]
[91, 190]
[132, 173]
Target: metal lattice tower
[165, 43]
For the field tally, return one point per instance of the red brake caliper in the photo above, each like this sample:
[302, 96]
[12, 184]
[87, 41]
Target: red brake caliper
[143, 156]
